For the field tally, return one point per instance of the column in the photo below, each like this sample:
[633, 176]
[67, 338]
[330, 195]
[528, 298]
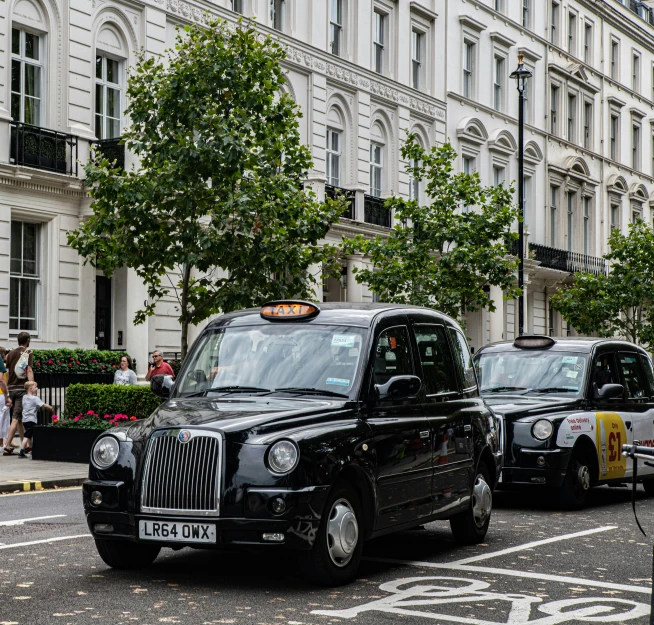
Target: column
[354, 289]
[136, 336]
[526, 304]
[315, 271]
[497, 317]
[86, 305]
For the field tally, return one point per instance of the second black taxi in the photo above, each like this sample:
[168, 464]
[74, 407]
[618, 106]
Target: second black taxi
[305, 427]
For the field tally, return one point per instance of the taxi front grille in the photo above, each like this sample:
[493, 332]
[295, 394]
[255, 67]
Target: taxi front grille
[182, 477]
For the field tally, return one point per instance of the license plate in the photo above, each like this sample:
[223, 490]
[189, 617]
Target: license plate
[177, 531]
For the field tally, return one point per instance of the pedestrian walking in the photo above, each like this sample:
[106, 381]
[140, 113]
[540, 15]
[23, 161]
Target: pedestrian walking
[19, 369]
[31, 403]
[125, 375]
[158, 366]
[5, 402]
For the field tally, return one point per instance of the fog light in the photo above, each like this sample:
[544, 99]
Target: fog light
[273, 537]
[103, 528]
[278, 505]
[96, 497]
[540, 461]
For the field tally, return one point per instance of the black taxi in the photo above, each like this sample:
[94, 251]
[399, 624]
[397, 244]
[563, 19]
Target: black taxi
[306, 427]
[567, 405]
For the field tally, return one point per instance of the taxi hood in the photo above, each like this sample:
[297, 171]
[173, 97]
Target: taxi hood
[517, 406]
[238, 416]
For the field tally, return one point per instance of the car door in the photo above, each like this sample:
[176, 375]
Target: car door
[401, 432]
[446, 410]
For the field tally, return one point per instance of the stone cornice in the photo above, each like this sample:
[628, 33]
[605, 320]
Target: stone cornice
[41, 181]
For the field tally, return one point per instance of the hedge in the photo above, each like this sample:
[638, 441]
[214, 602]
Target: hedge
[75, 360]
[137, 401]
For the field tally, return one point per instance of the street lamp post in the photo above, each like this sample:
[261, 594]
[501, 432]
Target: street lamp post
[521, 74]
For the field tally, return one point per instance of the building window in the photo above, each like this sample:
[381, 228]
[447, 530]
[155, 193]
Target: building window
[586, 224]
[615, 51]
[333, 158]
[499, 5]
[614, 132]
[336, 26]
[525, 97]
[555, 23]
[25, 77]
[553, 218]
[636, 212]
[554, 101]
[615, 217]
[277, 10]
[588, 43]
[526, 200]
[635, 72]
[635, 146]
[376, 169]
[237, 6]
[25, 278]
[378, 42]
[572, 33]
[417, 44]
[468, 165]
[588, 125]
[572, 114]
[498, 175]
[652, 155]
[468, 68]
[572, 197]
[526, 13]
[498, 83]
[414, 185]
[107, 98]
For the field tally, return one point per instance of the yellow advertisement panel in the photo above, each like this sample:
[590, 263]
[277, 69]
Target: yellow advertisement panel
[610, 435]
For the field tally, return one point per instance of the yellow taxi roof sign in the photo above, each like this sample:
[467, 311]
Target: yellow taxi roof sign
[289, 310]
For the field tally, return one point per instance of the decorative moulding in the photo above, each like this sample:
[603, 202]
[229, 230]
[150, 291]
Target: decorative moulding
[616, 102]
[530, 55]
[472, 23]
[428, 14]
[502, 40]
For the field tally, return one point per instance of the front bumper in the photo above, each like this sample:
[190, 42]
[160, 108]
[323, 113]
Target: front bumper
[299, 523]
[551, 472]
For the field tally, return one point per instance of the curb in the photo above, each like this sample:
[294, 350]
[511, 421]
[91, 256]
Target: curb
[29, 485]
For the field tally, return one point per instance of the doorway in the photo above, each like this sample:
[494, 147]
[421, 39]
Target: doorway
[103, 312]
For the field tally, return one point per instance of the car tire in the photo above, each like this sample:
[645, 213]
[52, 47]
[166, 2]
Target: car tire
[119, 554]
[336, 553]
[577, 482]
[470, 527]
[648, 485]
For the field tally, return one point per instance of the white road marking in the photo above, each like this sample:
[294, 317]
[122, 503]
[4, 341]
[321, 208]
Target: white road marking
[537, 543]
[45, 540]
[36, 518]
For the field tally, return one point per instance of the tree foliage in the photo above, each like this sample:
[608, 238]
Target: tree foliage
[216, 214]
[443, 254]
[622, 302]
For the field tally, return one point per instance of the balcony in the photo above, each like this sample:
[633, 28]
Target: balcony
[43, 149]
[334, 192]
[571, 262]
[374, 211]
[113, 151]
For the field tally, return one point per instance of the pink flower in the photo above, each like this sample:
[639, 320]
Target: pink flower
[38, 364]
[49, 362]
[55, 419]
[95, 360]
[72, 358]
[76, 419]
[90, 412]
[78, 362]
[113, 366]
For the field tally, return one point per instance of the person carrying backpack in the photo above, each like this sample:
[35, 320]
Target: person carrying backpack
[19, 371]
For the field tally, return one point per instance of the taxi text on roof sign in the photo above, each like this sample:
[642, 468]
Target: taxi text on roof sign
[291, 310]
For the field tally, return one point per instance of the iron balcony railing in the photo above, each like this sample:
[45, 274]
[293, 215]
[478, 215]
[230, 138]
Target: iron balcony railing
[43, 149]
[113, 150]
[333, 192]
[564, 260]
[375, 212]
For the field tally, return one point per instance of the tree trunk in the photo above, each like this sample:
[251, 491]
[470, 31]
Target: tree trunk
[185, 316]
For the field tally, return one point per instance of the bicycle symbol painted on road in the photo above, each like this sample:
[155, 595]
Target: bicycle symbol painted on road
[412, 595]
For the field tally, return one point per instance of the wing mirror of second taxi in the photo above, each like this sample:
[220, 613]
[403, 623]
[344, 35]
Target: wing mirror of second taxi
[399, 387]
[610, 391]
[160, 385]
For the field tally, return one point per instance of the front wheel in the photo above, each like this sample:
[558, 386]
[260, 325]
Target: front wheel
[576, 483]
[335, 556]
[470, 527]
[126, 555]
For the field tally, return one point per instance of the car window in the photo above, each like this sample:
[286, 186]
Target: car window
[463, 359]
[633, 375]
[605, 371]
[392, 354]
[649, 373]
[434, 353]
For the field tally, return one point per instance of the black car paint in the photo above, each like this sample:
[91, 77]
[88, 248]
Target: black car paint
[336, 438]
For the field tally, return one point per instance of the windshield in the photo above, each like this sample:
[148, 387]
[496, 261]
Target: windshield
[533, 371]
[314, 359]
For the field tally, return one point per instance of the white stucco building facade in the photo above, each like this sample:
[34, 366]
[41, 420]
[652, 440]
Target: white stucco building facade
[365, 72]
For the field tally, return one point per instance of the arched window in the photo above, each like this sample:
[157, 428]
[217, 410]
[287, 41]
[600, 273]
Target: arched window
[377, 155]
[334, 147]
[414, 183]
[110, 56]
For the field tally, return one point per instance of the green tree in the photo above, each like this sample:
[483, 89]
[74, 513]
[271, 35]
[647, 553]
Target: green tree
[219, 185]
[443, 254]
[622, 301]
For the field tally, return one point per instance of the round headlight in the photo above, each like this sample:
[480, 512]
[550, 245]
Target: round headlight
[542, 429]
[105, 452]
[283, 456]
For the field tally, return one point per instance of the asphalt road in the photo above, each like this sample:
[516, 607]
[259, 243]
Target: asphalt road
[587, 566]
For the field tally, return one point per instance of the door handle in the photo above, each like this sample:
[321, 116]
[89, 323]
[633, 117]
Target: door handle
[424, 434]
[467, 428]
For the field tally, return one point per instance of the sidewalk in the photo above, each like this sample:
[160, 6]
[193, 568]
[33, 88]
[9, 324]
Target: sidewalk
[17, 474]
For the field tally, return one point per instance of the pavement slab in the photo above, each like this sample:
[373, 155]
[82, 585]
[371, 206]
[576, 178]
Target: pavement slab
[18, 474]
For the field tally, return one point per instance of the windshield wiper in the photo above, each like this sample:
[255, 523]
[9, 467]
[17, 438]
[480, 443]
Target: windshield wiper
[553, 389]
[229, 389]
[502, 389]
[312, 391]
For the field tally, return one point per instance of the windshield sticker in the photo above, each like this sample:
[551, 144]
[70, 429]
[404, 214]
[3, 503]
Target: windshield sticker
[572, 374]
[629, 359]
[579, 367]
[343, 340]
[337, 382]
[569, 360]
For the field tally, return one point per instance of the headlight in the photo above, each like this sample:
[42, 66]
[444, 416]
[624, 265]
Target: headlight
[542, 429]
[105, 452]
[283, 457]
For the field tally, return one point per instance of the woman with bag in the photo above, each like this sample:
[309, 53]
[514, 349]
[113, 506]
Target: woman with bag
[19, 370]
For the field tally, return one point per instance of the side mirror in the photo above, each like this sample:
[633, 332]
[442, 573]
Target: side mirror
[610, 391]
[160, 385]
[399, 387]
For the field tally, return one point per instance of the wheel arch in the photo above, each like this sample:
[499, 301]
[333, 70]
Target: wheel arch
[486, 456]
[584, 445]
[362, 483]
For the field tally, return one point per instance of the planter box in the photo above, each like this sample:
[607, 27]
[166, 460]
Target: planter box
[63, 444]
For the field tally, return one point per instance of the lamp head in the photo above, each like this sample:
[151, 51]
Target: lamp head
[521, 74]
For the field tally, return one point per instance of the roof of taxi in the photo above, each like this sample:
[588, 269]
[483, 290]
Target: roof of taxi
[346, 313]
[563, 344]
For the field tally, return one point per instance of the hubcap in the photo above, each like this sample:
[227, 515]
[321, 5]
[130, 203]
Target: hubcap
[482, 501]
[342, 532]
[583, 477]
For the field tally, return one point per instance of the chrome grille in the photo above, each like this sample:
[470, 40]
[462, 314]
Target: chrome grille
[182, 478]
